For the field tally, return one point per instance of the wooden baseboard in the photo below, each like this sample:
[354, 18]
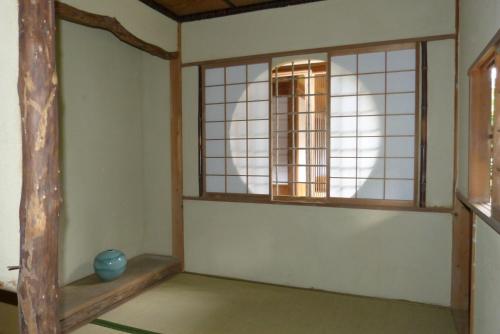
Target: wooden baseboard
[8, 297]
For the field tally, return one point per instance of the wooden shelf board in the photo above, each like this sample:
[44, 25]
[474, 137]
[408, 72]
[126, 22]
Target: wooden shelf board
[86, 299]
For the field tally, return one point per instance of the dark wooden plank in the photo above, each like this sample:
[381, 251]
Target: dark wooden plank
[41, 197]
[423, 126]
[111, 24]
[8, 297]
[160, 8]
[88, 298]
[481, 210]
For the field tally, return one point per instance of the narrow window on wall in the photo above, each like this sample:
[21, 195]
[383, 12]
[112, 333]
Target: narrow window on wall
[236, 129]
[373, 124]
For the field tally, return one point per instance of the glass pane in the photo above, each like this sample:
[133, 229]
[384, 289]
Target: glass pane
[258, 72]
[214, 112]
[371, 147]
[214, 148]
[371, 84]
[258, 185]
[401, 60]
[214, 94]
[371, 125]
[371, 167]
[236, 148]
[343, 126]
[258, 147]
[237, 184]
[343, 106]
[345, 188]
[341, 65]
[400, 146]
[399, 168]
[401, 82]
[214, 130]
[258, 166]
[370, 189]
[236, 74]
[215, 166]
[343, 147]
[215, 184]
[258, 91]
[371, 104]
[235, 93]
[399, 189]
[236, 111]
[371, 62]
[401, 103]
[343, 167]
[345, 85]
[214, 76]
[400, 125]
[236, 166]
[236, 129]
[258, 129]
[258, 110]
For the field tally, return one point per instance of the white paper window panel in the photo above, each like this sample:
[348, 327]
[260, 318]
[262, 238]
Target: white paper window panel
[343, 147]
[281, 142]
[401, 82]
[258, 166]
[258, 129]
[342, 187]
[343, 106]
[214, 76]
[399, 168]
[370, 147]
[281, 158]
[343, 167]
[343, 126]
[258, 185]
[236, 184]
[370, 167]
[371, 105]
[399, 189]
[258, 147]
[214, 112]
[401, 60]
[258, 91]
[370, 189]
[236, 166]
[236, 148]
[400, 146]
[214, 94]
[401, 103]
[371, 125]
[236, 129]
[214, 130]
[281, 174]
[258, 72]
[282, 106]
[344, 85]
[215, 166]
[301, 174]
[236, 111]
[215, 184]
[258, 110]
[400, 125]
[281, 122]
[371, 83]
[341, 65]
[214, 148]
[236, 93]
[371, 62]
[236, 74]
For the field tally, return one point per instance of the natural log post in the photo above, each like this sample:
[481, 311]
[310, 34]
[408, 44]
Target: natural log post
[40, 201]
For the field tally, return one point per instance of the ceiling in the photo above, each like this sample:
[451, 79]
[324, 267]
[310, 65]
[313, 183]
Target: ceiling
[192, 10]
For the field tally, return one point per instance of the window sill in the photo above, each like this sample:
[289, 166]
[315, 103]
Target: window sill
[332, 204]
[482, 210]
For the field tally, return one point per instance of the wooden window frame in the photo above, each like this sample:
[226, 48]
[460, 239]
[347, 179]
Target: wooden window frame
[328, 201]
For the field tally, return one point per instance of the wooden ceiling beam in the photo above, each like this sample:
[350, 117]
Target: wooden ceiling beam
[162, 9]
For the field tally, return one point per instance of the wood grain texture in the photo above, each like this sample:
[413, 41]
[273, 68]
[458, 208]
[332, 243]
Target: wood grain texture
[423, 127]
[88, 298]
[111, 24]
[41, 197]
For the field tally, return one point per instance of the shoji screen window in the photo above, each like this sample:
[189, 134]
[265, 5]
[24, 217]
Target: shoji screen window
[373, 124]
[236, 129]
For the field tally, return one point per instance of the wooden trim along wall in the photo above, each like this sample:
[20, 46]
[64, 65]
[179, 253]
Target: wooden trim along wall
[111, 24]
[38, 293]
[423, 126]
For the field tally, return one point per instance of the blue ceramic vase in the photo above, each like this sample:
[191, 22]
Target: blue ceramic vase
[110, 264]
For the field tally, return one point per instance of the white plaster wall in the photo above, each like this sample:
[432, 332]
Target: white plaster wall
[139, 19]
[313, 25]
[10, 145]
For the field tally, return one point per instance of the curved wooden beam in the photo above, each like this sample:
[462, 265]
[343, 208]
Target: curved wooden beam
[111, 24]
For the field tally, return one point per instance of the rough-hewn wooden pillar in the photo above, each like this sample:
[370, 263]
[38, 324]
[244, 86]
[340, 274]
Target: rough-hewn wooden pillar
[40, 201]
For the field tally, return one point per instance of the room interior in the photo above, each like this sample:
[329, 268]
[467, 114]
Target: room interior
[265, 166]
